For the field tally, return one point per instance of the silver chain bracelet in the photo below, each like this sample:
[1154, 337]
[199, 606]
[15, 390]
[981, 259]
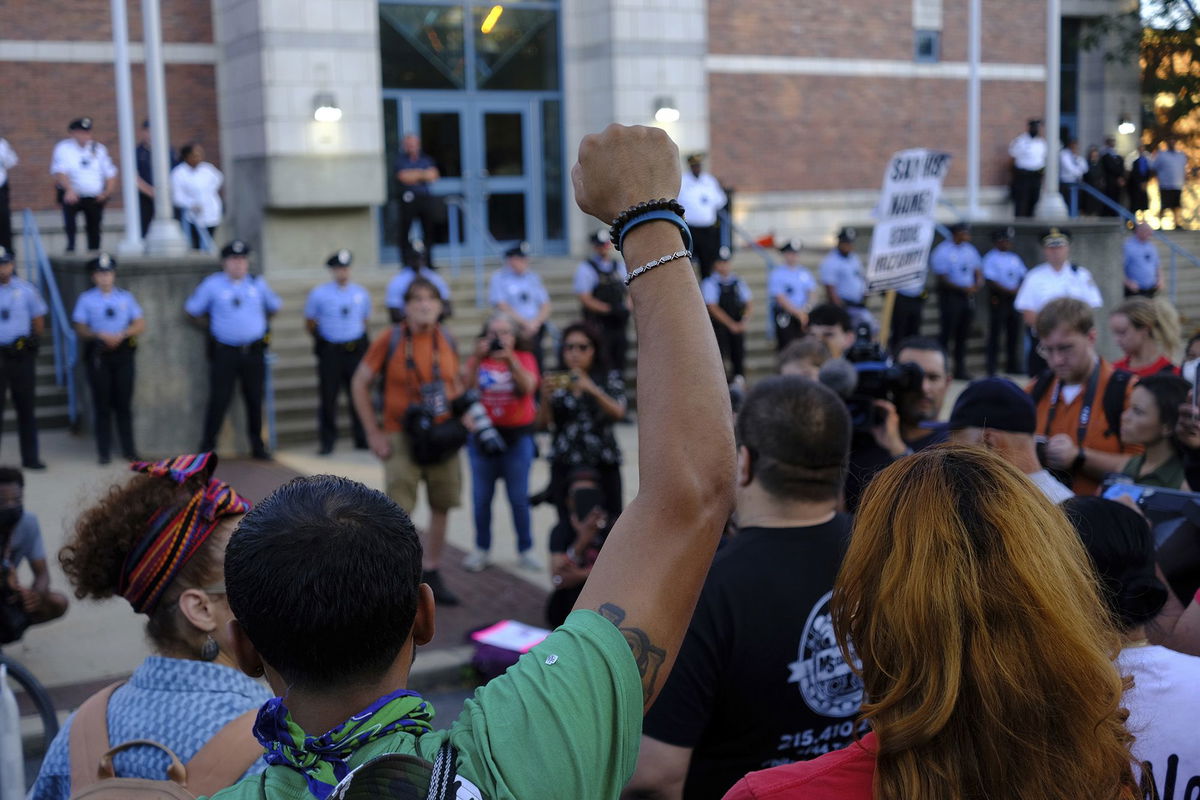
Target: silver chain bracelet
[644, 268]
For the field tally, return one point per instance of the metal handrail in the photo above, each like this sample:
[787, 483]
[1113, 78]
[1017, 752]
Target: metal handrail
[63, 334]
[1125, 214]
[189, 223]
[458, 213]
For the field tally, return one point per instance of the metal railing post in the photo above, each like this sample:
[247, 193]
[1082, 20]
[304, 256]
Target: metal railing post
[1074, 200]
[455, 221]
[269, 400]
[62, 334]
[1173, 278]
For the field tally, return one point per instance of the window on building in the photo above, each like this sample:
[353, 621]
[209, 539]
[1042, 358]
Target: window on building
[928, 46]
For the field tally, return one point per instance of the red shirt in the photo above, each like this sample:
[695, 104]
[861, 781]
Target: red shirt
[1163, 365]
[846, 774]
[498, 391]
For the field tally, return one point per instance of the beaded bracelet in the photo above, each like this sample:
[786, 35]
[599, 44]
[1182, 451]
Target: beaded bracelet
[653, 216]
[658, 262]
[661, 204]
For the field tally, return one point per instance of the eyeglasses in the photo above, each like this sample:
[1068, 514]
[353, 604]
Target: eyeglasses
[1048, 353]
[581, 346]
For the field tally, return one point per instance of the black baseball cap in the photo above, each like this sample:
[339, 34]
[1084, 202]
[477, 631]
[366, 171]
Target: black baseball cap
[790, 246]
[102, 263]
[342, 258]
[235, 248]
[847, 235]
[81, 124]
[600, 237]
[518, 249]
[995, 403]
[6, 256]
[960, 226]
[1006, 234]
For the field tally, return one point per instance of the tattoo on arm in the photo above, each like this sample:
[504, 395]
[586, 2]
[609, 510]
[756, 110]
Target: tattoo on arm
[648, 657]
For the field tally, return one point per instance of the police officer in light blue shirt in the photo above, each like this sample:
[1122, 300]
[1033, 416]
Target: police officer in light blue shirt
[1004, 270]
[845, 282]
[336, 315]
[234, 307]
[22, 320]
[108, 320]
[518, 291]
[393, 297]
[960, 275]
[1142, 276]
[790, 289]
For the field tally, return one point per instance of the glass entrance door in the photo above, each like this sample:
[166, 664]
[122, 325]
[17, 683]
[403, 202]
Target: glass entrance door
[491, 182]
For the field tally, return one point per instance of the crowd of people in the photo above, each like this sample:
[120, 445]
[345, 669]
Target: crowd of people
[901, 604]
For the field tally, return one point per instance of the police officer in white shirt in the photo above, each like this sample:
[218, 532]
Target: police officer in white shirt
[196, 191]
[1003, 270]
[1054, 278]
[108, 321]
[336, 315]
[600, 286]
[790, 293]
[844, 280]
[960, 276]
[702, 197]
[516, 290]
[22, 320]
[1028, 152]
[8, 160]
[85, 178]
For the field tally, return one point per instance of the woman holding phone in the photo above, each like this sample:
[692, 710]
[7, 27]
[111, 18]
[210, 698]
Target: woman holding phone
[579, 405]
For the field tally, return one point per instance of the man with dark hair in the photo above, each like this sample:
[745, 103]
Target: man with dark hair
[759, 680]
[336, 642]
[832, 325]
[919, 410]
[21, 540]
[803, 357]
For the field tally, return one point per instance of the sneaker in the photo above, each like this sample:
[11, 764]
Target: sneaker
[477, 561]
[526, 561]
[441, 594]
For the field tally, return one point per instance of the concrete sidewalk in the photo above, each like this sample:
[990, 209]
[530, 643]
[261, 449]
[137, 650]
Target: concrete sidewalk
[98, 642]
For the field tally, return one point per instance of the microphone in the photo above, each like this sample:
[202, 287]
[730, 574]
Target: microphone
[839, 375]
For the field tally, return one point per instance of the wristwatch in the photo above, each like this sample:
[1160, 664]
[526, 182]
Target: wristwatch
[1078, 463]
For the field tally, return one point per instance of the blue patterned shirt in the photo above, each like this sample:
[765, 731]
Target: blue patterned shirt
[176, 702]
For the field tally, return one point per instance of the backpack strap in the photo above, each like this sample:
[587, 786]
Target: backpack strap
[445, 768]
[393, 343]
[88, 740]
[1044, 379]
[1114, 400]
[225, 757]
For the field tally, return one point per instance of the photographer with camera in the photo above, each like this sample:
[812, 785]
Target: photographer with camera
[418, 435]
[506, 376]
[920, 402]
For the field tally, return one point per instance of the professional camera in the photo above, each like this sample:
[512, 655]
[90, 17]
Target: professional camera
[1174, 518]
[494, 345]
[475, 417]
[866, 375]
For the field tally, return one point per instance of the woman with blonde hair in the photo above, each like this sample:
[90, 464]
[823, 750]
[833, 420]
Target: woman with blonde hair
[1148, 333]
[985, 651]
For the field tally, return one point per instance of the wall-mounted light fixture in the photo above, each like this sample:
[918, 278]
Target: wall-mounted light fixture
[325, 107]
[1125, 125]
[491, 19]
[665, 110]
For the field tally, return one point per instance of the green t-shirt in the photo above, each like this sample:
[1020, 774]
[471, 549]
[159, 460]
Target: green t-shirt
[561, 726]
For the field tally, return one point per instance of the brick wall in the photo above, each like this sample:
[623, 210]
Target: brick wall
[834, 133]
[50, 95]
[91, 21]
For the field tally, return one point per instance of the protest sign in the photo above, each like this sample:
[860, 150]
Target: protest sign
[904, 230]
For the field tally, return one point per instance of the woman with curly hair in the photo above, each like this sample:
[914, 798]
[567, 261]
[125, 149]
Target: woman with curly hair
[986, 654]
[158, 541]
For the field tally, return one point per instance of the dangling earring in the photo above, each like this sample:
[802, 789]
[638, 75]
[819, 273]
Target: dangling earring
[210, 649]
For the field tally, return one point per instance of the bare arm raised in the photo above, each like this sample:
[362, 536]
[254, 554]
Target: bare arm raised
[649, 574]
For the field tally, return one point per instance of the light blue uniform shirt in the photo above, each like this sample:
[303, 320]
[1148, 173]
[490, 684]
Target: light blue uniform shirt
[237, 310]
[340, 312]
[20, 303]
[957, 263]
[1005, 269]
[845, 274]
[794, 283]
[524, 294]
[711, 287]
[1141, 262]
[106, 313]
[398, 285]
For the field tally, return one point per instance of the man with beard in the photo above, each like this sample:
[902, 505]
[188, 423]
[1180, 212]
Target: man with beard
[21, 540]
[919, 410]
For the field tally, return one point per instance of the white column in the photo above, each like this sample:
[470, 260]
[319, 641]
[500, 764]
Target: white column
[131, 244]
[974, 48]
[165, 236]
[1051, 205]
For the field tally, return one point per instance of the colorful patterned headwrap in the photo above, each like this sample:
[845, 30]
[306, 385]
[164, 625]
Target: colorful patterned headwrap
[175, 532]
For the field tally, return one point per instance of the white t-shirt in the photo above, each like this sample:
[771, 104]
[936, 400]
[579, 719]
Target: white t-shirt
[197, 190]
[1164, 704]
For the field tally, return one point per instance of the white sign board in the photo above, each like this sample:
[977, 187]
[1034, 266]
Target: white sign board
[904, 229]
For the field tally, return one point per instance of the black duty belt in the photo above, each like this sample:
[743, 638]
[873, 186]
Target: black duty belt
[253, 347]
[20, 346]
